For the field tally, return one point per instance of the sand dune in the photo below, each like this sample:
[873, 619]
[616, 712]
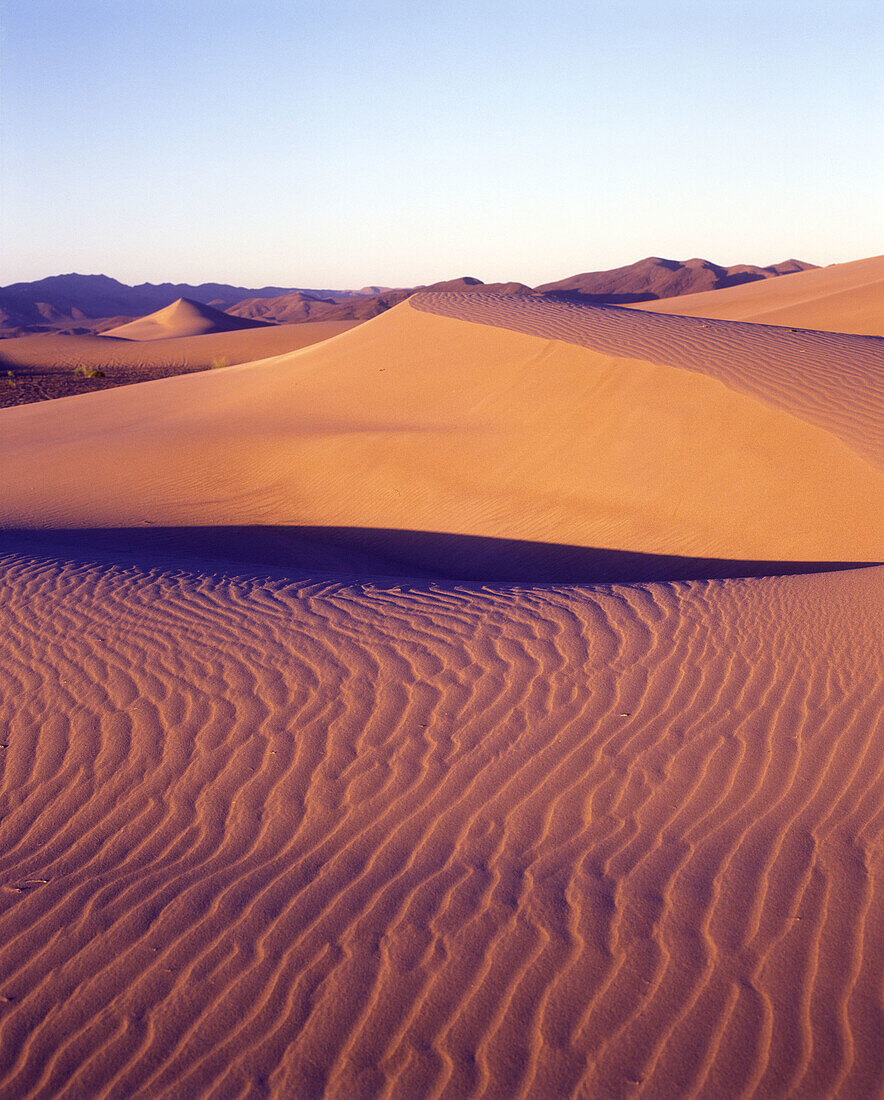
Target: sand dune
[182, 318]
[318, 828]
[841, 298]
[421, 422]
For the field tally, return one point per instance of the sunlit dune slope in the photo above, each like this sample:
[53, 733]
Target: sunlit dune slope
[841, 298]
[182, 318]
[263, 839]
[583, 429]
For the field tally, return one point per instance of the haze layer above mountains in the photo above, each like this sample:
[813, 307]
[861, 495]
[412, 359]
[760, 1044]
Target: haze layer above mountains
[94, 303]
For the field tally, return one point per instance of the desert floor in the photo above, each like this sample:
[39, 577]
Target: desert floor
[40, 368]
[485, 701]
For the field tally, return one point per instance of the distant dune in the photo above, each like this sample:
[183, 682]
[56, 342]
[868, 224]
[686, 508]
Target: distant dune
[485, 701]
[181, 318]
[841, 298]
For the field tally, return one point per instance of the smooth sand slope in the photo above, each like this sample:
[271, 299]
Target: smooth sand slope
[295, 833]
[182, 318]
[841, 298]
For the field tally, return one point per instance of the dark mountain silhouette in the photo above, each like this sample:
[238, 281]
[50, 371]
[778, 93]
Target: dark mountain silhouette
[66, 301]
[96, 303]
[306, 306]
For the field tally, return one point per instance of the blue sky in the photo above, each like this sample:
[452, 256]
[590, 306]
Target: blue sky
[346, 142]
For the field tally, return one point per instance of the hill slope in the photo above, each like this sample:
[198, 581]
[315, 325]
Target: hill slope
[655, 277]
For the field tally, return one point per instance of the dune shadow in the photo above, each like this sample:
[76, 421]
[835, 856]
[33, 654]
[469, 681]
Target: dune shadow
[379, 553]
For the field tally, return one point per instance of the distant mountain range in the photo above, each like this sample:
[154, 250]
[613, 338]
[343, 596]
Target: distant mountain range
[73, 301]
[95, 303]
[655, 278]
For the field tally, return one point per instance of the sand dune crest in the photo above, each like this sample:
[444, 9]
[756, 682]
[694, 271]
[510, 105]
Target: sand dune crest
[420, 422]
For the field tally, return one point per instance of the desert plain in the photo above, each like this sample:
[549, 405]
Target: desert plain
[480, 699]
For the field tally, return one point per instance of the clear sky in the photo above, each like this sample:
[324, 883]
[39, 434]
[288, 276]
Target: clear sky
[338, 143]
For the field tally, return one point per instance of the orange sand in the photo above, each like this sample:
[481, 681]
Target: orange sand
[415, 421]
[316, 827]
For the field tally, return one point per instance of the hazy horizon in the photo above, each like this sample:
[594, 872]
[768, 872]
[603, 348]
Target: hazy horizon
[262, 286]
[345, 145]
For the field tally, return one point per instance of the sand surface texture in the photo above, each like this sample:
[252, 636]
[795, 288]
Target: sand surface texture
[841, 298]
[311, 787]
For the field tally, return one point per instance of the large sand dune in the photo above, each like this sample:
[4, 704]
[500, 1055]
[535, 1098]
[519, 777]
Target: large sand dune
[420, 422]
[319, 827]
[841, 298]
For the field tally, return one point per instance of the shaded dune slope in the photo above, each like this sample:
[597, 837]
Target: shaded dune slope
[269, 839]
[841, 298]
[393, 554]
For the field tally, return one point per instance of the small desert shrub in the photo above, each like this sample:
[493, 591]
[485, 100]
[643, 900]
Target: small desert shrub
[10, 378]
[89, 372]
[220, 362]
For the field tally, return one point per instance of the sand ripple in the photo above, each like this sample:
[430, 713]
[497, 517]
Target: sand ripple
[261, 838]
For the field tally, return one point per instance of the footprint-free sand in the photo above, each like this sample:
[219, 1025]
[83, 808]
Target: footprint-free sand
[486, 701]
